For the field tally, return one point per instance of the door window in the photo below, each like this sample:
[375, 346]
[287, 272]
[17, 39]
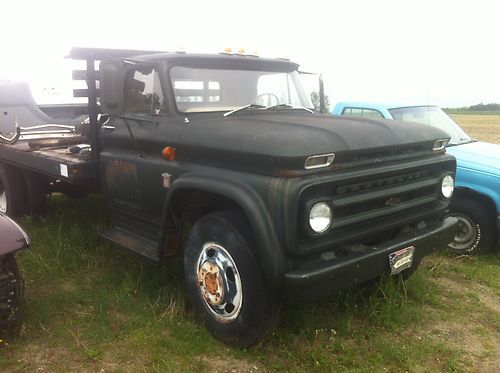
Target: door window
[143, 93]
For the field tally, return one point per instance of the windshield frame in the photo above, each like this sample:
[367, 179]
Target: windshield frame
[283, 67]
[463, 136]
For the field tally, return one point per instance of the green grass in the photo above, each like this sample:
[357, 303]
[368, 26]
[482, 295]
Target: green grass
[93, 307]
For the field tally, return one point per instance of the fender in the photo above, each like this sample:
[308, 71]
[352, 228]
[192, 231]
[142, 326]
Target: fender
[269, 250]
[483, 190]
[13, 236]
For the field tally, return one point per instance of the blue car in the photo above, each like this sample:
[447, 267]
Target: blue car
[476, 200]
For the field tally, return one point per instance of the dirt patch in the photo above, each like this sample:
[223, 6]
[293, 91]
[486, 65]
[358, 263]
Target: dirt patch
[485, 295]
[216, 364]
[467, 335]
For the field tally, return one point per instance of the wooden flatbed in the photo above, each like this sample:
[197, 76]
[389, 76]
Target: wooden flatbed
[55, 162]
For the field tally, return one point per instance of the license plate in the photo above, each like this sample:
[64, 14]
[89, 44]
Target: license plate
[401, 259]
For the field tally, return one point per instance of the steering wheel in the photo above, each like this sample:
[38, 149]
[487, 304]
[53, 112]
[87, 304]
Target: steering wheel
[266, 99]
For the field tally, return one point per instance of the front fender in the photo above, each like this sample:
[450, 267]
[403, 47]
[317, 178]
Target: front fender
[13, 237]
[483, 183]
[268, 249]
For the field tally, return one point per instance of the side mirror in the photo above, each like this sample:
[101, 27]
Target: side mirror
[111, 86]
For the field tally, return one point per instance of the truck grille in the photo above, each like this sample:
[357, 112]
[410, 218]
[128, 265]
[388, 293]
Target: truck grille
[365, 206]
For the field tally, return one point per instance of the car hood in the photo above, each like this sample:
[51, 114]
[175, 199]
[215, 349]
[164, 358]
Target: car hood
[13, 236]
[287, 136]
[479, 156]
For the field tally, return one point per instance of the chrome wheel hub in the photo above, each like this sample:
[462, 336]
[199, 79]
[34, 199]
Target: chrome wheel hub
[468, 233]
[219, 282]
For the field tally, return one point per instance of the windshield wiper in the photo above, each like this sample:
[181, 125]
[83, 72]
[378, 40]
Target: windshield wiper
[249, 106]
[286, 106]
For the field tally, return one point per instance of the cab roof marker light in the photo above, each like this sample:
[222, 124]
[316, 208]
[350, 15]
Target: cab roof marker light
[440, 144]
[227, 51]
[319, 161]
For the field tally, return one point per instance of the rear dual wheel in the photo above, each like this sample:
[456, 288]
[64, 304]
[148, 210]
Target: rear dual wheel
[225, 281]
[21, 192]
[12, 191]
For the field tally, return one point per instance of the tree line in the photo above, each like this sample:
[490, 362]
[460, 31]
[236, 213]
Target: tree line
[478, 107]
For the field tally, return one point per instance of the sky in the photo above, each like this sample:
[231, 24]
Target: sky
[438, 52]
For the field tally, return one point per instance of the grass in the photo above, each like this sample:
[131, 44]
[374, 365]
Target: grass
[92, 307]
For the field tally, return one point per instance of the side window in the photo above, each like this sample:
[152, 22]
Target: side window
[143, 93]
[362, 112]
[355, 112]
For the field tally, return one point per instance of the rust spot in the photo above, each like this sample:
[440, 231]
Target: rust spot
[211, 283]
[122, 180]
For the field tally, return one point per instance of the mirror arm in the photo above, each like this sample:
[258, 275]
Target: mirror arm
[322, 108]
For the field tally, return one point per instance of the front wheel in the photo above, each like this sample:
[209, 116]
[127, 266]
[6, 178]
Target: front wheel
[225, 281]
[476, 230]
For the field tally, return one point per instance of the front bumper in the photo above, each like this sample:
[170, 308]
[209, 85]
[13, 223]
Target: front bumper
[328, 276]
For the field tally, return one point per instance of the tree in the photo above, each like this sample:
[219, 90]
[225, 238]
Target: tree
[315, 101]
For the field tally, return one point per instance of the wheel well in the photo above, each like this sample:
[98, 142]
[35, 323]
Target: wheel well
[188, 206]
[466, 193]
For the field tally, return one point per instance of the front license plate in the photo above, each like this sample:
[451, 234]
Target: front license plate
[401, 259]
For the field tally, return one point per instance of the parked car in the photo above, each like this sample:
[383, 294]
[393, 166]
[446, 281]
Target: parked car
[476, 200]
[13, 238]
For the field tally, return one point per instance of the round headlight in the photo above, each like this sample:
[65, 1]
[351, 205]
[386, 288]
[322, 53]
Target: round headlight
[320, 217]
[447, 186]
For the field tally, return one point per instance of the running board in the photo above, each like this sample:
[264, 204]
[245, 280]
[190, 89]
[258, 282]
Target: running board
[131, 241]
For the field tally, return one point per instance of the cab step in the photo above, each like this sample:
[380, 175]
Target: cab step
[131, 241]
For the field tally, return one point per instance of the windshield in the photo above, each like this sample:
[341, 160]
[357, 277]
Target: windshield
[435, 117]
[205, 90]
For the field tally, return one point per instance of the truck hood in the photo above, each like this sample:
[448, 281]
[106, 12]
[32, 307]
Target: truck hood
[284, 139]
[479, 156]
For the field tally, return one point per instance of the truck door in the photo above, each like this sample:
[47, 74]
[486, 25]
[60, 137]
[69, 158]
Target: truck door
[132, 144]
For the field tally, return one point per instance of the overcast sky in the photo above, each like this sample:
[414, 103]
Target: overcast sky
[438, 52]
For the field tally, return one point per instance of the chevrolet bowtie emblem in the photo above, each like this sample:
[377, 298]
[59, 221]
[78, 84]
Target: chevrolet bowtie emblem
[393, 201]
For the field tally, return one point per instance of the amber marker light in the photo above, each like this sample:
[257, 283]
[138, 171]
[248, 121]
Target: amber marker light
[168, 153]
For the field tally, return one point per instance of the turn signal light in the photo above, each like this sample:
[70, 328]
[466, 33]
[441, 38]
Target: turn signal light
[168, 153]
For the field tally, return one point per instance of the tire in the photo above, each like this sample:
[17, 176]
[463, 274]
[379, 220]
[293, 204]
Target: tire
[225, 282]
[36, 188]
[12, 191]
[12, 288]
[476, 233]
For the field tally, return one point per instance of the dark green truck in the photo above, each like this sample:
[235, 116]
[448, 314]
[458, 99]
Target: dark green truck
[218, 158]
